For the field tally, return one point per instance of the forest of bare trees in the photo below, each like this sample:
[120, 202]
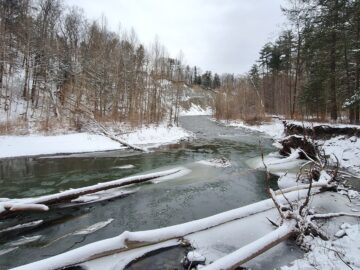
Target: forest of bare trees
[312, 70]
[55, 65]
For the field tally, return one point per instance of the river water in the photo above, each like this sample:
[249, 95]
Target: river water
[203, 192]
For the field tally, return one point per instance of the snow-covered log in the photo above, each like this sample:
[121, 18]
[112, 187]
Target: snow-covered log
[112, 137]
[304, 186]
[250, 251]
[28, 207]
[129, 240]
[40, 203]
[107, 134]
[325, 182]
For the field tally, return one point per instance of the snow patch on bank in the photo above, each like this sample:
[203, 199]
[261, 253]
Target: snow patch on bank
[274, 129]
[156, 135]
[196, 110]
[347, 150]
[13, 146]
[340, 253]
[34, 145]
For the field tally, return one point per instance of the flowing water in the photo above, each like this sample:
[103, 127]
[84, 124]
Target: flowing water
[203, 192]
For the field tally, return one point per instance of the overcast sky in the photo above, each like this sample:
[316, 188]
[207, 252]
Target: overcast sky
[217, 35]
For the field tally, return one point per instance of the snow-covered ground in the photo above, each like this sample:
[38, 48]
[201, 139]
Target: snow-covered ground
[32, 145]
[274, 129]
[342, 253]
[342, 250]
[347, 150]
[196, 110]
[13, 146]
[156, 135]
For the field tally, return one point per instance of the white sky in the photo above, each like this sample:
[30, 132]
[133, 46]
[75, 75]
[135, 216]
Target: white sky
[217, 35]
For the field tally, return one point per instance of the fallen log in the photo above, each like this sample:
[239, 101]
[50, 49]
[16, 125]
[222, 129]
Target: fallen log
[86, 112]
[131, 240]
[252, 250]
[41, 203]
[105, 132]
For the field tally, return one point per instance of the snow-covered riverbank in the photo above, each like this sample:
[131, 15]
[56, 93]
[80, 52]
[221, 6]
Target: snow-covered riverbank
[33, 145]
[341, 249]
[145, 137]
[346, 149]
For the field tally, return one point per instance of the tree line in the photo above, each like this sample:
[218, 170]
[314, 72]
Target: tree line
[312, 69]
[62, 65]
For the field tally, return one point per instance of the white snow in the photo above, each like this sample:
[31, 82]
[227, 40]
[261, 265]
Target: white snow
[216, 162]
[7, 250]
[156, 135]
[102, 195]
[347, 150]
[73, 192]
[287, 180]
[21, 226]
[310, 124]
[25, 240]
[95, 227]
[124, 167]
[88, 230]
[196, 110]
[228, 261]
[182, 171]
[33, 145]
[157, 235]
[194, 256]
[13, 146]
[121, 260]
[277, 164]
[341, 253]
[274, 129]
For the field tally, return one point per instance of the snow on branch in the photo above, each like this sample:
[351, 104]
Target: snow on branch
[252, 250]
[130, 240]
[41, 203]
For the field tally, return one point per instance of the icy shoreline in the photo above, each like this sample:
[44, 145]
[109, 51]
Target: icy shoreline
[35, 145]
[346, 149]
[340, 252]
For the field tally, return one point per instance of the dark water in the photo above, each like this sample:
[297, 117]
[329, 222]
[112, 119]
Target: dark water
[203, 192]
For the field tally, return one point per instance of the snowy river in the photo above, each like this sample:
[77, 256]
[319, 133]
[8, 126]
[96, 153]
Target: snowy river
[205, 191]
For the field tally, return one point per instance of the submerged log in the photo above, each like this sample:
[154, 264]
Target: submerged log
[130, 240]
[41, 203]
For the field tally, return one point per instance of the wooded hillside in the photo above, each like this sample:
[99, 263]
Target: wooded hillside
[54, 63]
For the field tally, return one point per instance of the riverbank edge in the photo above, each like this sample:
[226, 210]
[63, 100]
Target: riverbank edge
[13, 146]
[345, 148]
